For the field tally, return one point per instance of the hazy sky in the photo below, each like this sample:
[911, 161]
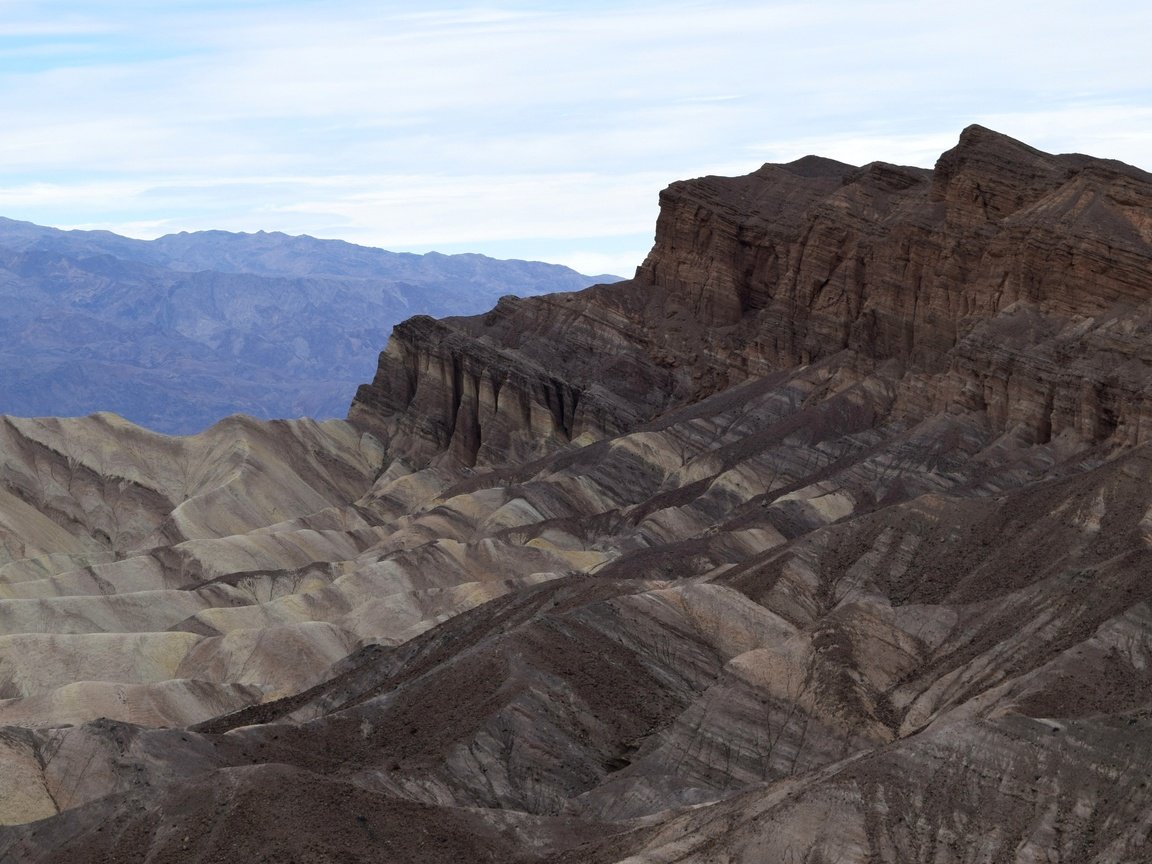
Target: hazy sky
[528, 130]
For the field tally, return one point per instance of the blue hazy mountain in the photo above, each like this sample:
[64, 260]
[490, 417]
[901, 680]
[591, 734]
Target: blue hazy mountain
[177, 332]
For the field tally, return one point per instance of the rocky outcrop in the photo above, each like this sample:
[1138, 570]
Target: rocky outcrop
[826, 538]
[438, 391]
[1006, 277]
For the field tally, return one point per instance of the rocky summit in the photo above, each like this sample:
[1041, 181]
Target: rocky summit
[827, 538]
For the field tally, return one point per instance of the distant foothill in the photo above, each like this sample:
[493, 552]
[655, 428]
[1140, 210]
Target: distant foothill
[179, 332]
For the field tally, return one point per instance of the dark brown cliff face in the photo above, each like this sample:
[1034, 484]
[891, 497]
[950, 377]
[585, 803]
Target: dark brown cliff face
[824, 539]
[439, 391]
[926, 269]
[1005, 279]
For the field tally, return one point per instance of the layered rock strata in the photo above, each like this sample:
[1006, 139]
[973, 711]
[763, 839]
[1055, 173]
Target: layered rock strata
[1010, 280]
[824, 539]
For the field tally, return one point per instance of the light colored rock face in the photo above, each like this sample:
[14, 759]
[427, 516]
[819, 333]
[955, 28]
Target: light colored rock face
[118, 540]
[721, 565]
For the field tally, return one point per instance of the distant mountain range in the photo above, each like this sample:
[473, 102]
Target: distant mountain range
[177, 332]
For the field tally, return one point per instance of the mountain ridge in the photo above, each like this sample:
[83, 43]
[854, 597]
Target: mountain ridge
[179, 332]
[825, 538]
[161, 249]
[698, 317]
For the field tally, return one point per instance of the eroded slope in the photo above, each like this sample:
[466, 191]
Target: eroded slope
[825, 539]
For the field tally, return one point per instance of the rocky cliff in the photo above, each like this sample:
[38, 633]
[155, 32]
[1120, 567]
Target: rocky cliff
[824, 539]
[1006, 279]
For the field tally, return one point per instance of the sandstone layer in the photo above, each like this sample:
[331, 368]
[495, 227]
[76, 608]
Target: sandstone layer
[824, 539]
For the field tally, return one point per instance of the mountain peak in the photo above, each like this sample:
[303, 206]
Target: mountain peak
[989, 175]
[975, 135]
[817, 166]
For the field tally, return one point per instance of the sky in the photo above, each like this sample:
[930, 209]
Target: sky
[521, 130]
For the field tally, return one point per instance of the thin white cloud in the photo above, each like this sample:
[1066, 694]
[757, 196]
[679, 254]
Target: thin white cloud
[490, 123]
[393, 211]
